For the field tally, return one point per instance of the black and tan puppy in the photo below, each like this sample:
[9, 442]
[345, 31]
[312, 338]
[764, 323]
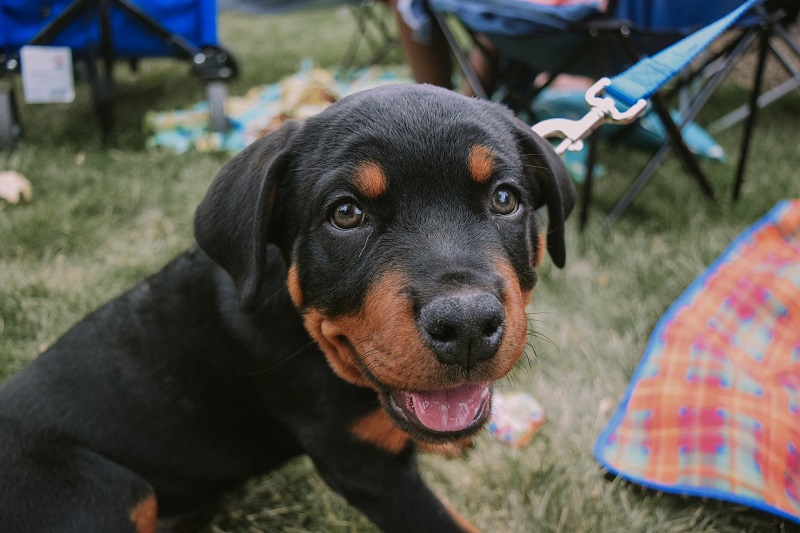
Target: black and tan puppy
[359, 282]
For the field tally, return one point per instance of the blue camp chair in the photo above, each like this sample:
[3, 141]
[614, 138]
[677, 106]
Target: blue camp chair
[580, 38]
[133, 29]
[371, 29]
[120, 29]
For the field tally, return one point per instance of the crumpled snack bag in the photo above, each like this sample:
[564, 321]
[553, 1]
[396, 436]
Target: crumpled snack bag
[515, 418]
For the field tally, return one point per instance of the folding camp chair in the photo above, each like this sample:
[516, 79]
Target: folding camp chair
[372, 30]
[118, 29]
[371, 27]
[774, 37]
[581, 38]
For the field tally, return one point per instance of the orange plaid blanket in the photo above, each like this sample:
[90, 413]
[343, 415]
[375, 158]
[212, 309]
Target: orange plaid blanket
[713, 409]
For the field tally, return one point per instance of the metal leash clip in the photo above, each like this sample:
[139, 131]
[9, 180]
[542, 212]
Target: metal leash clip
[602, 110]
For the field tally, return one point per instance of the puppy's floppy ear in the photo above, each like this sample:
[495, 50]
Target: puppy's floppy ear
[552, 181]
[231, 223]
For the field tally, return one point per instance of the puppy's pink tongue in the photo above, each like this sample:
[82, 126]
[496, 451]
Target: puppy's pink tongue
[450, 409]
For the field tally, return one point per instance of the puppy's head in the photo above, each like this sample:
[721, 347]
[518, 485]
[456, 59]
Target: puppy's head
[406, 218]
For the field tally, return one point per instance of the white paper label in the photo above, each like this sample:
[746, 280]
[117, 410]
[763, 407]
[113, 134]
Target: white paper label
[47, 74]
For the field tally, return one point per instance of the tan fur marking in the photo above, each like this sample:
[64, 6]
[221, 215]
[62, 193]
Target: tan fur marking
[144, 516]
[462, 522]
[340, 356]
[516, 326]
[541, 249]
[293, 283]
[377, 429]
[385, 335]
[370, 179]
[450, 450]
[481, 163]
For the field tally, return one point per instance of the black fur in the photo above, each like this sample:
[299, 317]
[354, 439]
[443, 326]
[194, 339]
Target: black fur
[203, 375]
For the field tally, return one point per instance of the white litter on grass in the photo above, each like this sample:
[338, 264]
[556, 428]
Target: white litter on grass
[14, 187]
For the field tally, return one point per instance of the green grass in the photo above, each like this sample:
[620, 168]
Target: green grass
[102, 219]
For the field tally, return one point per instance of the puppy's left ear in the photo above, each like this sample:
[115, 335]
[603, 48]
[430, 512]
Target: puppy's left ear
[551, 179]
[231, 224]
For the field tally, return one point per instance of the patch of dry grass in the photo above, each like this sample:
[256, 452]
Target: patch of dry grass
[103, 219]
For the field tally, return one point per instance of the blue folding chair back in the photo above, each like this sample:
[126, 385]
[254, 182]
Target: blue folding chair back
[587, 38]
[120, 29]
[192, 20]
[544, 35]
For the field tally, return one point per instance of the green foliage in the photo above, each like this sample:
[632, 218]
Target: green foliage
[102, 219]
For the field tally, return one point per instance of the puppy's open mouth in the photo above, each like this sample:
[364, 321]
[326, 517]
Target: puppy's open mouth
[444, 413]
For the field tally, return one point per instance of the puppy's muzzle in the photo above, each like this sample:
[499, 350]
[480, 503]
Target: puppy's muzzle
[463, 328]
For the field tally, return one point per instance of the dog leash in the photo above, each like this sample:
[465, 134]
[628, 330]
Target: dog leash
[633, 87]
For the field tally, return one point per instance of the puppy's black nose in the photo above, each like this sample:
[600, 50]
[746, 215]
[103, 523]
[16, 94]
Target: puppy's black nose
[463, 328]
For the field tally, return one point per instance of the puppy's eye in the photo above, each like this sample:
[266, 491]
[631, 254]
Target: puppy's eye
[504, 201]
[347, 215]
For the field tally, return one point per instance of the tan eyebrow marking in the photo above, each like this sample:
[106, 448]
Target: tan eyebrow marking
[481, 163]
[293, 283]
[370, 179]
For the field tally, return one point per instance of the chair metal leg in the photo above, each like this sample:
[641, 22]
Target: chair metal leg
[676, 139]
[216, 91]
[586, 200]
[737, 49]
[774, 94]
[636, 187]
[211, 63]
[462, 58]
[10, 128]
[182, 46]
[764, 35]
[104, 90]
[373, 31]
[60, 23]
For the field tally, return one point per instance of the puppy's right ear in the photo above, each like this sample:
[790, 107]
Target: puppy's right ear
[557, 192]
[231, 223]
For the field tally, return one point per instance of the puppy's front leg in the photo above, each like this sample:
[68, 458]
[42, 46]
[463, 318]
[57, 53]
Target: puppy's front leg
[377, 473]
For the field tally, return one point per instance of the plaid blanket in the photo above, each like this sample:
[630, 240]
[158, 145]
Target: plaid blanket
[713, 409]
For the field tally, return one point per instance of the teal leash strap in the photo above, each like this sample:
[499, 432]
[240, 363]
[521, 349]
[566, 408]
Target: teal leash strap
[635, 86]
[647, 76]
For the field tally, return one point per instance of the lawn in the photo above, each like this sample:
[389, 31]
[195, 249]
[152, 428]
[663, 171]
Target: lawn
[102, 219]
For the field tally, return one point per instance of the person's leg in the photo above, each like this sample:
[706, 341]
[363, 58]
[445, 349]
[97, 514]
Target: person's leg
[484, 61]
[429, 62]
[432, 63]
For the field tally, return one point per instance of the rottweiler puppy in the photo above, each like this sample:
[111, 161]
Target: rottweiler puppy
[359, 282]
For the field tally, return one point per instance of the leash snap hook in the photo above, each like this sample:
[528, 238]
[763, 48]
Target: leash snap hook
[602, 109]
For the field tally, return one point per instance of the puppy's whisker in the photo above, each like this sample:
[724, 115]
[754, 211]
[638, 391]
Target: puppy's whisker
[538, 335]
[268, 299]
[532, 349]
[365, 244]
[280, 361]
[367, 362]
[359, 361]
